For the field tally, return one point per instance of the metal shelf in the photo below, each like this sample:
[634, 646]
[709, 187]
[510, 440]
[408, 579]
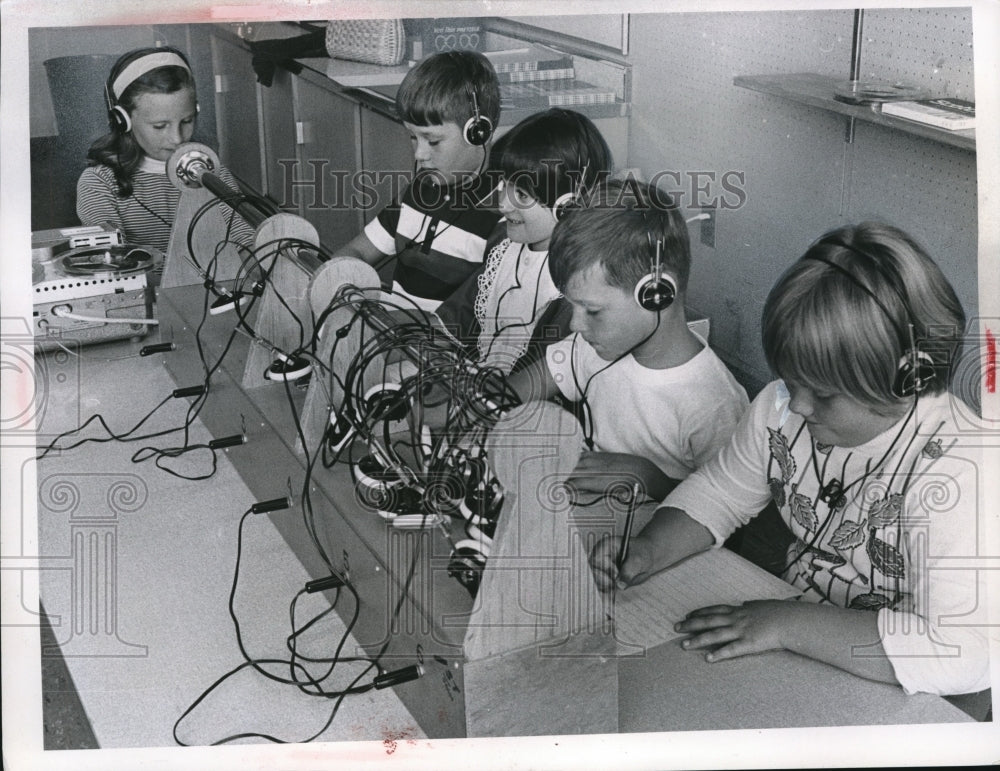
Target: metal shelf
[818, 91]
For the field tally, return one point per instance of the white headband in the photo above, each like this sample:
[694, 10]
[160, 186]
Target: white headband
[141, 66]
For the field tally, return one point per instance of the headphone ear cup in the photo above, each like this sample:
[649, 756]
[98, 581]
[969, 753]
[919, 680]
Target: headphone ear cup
[916, 372]
[478, 130]
[562, 205]
[120, 119]
[386, 402]
[655, 293]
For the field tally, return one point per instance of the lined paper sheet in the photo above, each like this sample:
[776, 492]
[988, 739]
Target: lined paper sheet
[645, 614]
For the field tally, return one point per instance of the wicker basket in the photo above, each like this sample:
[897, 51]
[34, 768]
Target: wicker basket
[378, 41]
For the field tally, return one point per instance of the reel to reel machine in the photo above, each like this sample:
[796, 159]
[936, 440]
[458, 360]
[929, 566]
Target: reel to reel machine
[88, 289]
[120, 260]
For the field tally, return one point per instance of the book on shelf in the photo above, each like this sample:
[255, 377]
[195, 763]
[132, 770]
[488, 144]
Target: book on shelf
[531, 76]
[514, 113]
[450, 34]
[555, 93]
[528, 59]
[946, 112]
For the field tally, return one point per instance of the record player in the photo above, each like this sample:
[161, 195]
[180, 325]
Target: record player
[87, 285]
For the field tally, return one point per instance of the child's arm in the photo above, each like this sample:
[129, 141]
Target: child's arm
[362, 248]
[96, 198]
[598, 471]
[847, 639]
[534, 382]
[822, 632]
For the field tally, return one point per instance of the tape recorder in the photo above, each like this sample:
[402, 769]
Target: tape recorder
[89, 287]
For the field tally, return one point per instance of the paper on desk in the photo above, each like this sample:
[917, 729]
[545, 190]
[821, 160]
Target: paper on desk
[645, 614]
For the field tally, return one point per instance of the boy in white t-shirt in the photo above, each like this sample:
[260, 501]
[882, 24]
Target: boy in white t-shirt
[656, 402]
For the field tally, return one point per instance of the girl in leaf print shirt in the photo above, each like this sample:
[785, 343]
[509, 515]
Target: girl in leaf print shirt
[858, 447]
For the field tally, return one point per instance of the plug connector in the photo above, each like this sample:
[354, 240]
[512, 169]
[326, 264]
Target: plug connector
[228, 441]
[275, 504]
[319, 584]
[180, 393]
[149, 350]
[398, 676]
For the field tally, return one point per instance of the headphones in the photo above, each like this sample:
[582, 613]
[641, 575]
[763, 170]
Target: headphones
[657, 289]
[916, 369]
[129, 69]
[568, 200]
[478, 129]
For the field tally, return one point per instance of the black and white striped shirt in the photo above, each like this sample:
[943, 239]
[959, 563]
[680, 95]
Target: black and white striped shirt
[145, 217]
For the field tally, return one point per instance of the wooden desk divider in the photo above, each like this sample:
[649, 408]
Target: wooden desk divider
[283, 317]
[325, 394]
[539, 647]
[208, 231]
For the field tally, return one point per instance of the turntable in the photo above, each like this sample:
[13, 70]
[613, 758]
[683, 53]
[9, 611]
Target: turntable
[91, 293]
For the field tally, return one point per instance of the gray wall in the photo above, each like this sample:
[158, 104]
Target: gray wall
[49, 42]
[801, 178]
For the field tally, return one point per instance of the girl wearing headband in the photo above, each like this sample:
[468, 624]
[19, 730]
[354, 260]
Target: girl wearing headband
[152, 108]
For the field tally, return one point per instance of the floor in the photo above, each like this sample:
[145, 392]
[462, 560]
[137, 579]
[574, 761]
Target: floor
[65, 722]
[66, 725]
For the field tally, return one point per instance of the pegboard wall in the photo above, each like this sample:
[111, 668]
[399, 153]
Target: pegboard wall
[929, 47]
[799, 177]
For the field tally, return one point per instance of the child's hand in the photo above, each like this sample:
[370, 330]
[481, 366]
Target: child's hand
[604, 557]
[597, 473]
[753, 627]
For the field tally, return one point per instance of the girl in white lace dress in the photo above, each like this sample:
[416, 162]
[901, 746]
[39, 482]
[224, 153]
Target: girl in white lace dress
[508, 311]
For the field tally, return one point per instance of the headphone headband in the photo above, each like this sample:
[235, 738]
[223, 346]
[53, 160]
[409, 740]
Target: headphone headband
[566, 201]
[657, 289]
[136, 69]
[916, 369]
[478, 129]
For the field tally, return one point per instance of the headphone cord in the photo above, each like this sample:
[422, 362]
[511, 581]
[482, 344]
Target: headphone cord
[832, 505]
[155, 214]
[497, 329]
[588, 422]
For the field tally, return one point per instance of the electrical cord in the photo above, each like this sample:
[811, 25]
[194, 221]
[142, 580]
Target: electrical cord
[299, 675]
[57, 310]
[587, 415]
[111, 437]
[841, 490]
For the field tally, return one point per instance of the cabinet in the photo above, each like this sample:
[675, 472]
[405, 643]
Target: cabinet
[386, 157]
[327, 127]
[311, 152]
[277, 125]
[237, 112]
